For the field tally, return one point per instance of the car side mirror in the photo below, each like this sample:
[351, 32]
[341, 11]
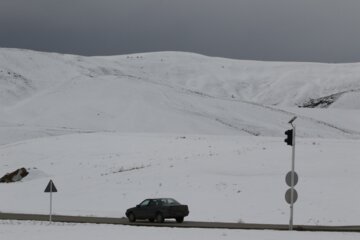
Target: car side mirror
[137, 206]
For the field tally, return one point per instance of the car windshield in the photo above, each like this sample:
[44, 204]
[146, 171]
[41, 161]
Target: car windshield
[145, 203]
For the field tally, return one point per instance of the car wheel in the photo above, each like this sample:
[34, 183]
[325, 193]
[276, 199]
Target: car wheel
[151, 219]
[131, 217]
[179, 219]
[159, 218]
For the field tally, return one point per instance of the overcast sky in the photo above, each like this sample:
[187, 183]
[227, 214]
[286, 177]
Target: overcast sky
[282, 30]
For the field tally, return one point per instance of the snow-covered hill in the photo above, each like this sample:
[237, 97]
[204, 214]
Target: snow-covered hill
[50, 94]
[269, 83]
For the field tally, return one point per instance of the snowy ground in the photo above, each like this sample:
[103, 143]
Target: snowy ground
[13, 230]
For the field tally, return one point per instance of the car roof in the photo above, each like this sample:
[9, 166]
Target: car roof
[159, 198]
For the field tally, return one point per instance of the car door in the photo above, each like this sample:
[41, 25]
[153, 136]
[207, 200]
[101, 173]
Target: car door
[152, 208]
[142, 209]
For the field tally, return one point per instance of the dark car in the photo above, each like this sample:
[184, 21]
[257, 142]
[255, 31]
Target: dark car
[158, 209]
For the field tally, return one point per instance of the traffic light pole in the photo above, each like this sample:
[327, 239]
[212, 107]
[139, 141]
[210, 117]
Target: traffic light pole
[292, 179]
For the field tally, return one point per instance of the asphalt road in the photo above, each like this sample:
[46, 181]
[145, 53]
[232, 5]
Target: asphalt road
[169, 223]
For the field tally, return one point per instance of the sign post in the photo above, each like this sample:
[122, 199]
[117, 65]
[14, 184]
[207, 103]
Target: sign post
[50, 188]
[292, 182]
[292, 177]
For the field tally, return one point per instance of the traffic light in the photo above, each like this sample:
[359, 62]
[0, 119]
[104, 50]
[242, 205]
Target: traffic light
[289, 139]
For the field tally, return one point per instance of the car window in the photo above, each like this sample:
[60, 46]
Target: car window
[171, 201]
[168, 202]
[145, 203]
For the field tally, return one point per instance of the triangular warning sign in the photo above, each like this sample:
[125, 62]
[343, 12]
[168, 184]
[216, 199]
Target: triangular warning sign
[50, 187]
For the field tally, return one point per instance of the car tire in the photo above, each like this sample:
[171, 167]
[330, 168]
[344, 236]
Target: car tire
[151, 219]
[179, 219]
[131, 217]
[159, 218]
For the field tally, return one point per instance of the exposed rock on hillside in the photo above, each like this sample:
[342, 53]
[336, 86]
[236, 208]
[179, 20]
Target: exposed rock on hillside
[14, 176]
[324, 102]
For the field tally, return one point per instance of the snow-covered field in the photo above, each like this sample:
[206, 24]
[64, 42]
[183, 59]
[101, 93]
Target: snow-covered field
[221, 178]
[112, 131]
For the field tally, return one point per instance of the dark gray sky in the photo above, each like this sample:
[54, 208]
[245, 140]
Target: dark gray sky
[284, 30]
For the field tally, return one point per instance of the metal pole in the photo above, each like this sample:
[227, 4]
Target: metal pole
[292, 180]
[50, 202]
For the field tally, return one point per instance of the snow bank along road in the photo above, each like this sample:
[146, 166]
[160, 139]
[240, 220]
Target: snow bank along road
[186, 224]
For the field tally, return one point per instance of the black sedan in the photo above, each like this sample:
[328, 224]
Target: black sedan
[158, 209]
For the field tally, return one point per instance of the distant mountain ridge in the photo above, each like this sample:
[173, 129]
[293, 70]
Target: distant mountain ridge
[269, 83]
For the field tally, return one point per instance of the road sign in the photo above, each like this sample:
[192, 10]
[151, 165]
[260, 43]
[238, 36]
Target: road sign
[288, 196]
[50, 187]
[288, 178]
